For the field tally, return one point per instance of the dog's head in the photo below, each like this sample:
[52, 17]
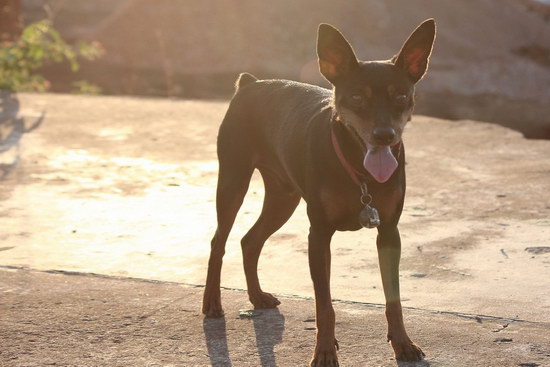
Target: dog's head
[375, 99]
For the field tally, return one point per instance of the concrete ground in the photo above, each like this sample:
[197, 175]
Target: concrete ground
[124, 187]
[52, 318]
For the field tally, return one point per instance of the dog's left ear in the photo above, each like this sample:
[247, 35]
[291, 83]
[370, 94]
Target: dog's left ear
[336, 57]
[415, 53]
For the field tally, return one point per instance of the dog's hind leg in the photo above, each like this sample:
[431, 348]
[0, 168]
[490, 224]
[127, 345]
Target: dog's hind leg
[235, 170]
[279, 204]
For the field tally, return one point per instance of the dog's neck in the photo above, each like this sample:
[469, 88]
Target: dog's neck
[348, 149]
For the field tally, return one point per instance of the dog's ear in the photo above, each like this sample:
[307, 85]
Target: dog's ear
[336, 57]
[415, 53]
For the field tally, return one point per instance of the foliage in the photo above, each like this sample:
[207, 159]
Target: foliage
[40, 43]
[84, 87]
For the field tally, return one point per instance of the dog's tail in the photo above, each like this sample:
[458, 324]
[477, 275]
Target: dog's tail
[244, 79]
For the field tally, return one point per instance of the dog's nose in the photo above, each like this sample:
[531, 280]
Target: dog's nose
[383, 135]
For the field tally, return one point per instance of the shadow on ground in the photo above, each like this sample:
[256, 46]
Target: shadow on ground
[269, 329]
[12, 129]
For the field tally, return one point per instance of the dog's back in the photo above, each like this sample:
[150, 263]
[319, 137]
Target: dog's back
[271, 121]
[271, 105]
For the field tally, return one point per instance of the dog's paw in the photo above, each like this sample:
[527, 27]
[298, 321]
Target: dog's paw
[407, 351]
[212, 306]
[264, 300]
[325, 357]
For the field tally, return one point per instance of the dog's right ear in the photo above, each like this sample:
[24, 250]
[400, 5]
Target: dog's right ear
[336, 57]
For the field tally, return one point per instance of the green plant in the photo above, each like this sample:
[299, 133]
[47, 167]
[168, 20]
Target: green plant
[39, 43]
[84, 87]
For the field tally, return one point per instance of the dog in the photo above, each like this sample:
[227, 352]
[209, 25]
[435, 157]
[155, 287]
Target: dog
[341, 151]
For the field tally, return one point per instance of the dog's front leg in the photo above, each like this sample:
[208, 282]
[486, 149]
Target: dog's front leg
[319, 267]
[388, 243]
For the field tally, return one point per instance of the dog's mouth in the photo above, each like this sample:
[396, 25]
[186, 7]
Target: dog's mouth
[379, 160]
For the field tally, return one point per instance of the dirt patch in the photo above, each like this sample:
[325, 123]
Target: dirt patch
[538, 250]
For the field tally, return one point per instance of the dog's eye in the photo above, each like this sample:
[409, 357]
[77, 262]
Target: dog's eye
[356, 100]
[401, 99]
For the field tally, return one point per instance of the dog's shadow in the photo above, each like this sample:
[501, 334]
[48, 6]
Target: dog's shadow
[269, 330]
[413, 364]
[216, 341]
[269, 326]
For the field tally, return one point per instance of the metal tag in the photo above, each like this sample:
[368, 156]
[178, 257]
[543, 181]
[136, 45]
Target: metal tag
[368, 217]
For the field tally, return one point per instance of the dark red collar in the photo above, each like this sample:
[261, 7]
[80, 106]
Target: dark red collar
[359, 177]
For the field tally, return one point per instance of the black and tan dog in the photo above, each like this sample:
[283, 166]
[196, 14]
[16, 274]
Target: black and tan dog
[338, 149]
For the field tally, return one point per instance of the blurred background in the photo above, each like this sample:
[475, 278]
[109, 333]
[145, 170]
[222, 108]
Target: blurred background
[491, 60]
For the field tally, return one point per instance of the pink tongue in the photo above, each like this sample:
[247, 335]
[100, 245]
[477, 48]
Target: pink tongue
[380, 163]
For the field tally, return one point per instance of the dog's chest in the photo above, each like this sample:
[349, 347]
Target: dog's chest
[341, 208]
